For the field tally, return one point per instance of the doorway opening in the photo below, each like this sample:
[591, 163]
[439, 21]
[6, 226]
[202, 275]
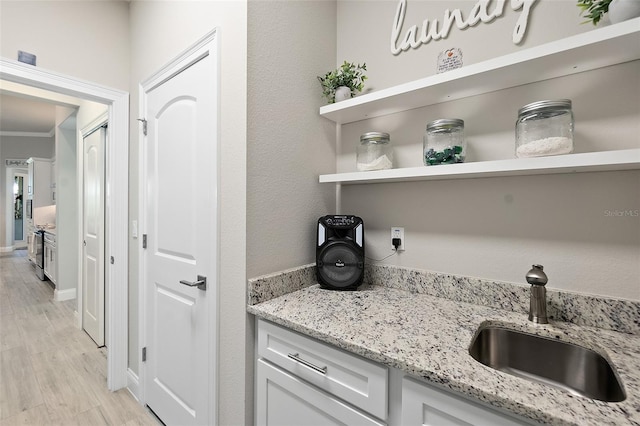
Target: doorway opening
[116, 214]
[19, 213]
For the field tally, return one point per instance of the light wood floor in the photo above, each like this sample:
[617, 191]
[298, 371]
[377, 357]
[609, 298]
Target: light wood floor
[52, 373]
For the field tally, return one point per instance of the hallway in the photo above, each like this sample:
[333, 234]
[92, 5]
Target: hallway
[50, 371]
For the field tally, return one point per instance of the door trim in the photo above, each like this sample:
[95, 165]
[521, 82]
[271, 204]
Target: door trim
[10, 175]
[117, 202]
[207, 45]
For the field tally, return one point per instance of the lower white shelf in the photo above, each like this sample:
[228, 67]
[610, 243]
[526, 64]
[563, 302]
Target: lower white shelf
[628, 159]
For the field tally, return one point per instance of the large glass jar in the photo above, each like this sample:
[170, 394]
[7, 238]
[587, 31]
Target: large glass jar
[374, 152]
[444, 142]
[544, 128]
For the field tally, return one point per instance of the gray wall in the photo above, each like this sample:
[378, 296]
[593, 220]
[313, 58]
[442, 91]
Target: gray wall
[495, 228]
[67, 203]
[289, 144]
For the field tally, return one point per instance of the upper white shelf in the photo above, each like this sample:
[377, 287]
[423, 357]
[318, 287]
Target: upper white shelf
[628, 159]
[594, 49]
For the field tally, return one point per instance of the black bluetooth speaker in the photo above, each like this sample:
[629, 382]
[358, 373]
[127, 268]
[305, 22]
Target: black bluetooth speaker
[340, 252]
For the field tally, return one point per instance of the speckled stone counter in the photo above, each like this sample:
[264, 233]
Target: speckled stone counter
[429, 337]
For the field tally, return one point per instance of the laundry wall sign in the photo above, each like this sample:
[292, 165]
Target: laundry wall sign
[484, 11]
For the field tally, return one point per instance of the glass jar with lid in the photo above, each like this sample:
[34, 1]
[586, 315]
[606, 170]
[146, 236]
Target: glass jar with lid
[544, 128]
[444, 142]
[374, 152]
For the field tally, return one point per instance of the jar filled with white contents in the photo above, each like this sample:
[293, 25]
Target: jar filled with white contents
[444, 142]
[374, 152]
[544, 128]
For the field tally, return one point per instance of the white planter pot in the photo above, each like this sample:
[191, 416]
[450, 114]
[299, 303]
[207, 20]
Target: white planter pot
[343, 93]
[622, 10]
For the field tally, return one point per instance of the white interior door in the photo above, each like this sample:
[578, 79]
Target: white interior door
[93, 235]
[180, 216]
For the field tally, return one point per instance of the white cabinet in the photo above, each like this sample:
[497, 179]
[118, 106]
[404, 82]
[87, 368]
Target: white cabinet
[31, 244]
[303, 381]
[39, 186]
[50, 257]
[618, 44]
[427, 405]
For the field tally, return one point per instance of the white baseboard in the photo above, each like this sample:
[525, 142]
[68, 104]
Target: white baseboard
[60, 295]
[6, 249]
[133, 384]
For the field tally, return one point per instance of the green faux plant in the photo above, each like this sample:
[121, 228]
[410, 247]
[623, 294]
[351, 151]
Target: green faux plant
[349, 75]
[594, 9]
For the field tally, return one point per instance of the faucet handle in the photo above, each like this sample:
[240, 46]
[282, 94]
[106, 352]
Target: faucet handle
[536, 275]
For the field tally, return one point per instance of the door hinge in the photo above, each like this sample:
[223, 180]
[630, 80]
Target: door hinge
[144, 354]
[144, 240]
[144, 125]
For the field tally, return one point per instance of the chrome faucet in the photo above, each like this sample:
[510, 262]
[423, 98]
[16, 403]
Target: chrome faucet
[538, 303]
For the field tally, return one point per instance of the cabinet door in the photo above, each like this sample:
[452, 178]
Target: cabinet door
[426, 405]
[47, 267]
[41, 183]
[30, 181]
[53, 269]
[30, 245]
[285, 400]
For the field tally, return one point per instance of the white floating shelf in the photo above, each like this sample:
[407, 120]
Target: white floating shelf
[611, 45]
[628, 159]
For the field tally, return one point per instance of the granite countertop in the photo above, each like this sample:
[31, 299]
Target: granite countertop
[429, 337]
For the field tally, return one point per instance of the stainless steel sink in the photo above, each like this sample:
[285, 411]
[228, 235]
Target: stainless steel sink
[570, 367]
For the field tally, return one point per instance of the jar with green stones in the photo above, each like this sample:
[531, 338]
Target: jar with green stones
[444, 142]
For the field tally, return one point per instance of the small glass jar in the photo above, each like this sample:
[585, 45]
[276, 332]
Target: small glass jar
[544, 128]
[444, 142]
[374, 152]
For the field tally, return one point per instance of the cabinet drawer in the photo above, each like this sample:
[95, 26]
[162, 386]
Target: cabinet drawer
[358, 381]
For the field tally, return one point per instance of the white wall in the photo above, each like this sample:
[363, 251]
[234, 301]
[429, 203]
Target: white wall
[84, 39]
[159, 32]
[17, 147]
[495, 228]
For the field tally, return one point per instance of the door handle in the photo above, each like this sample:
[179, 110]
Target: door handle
[201, 283]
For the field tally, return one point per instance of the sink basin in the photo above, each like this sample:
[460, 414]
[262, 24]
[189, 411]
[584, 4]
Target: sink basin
[570, 367]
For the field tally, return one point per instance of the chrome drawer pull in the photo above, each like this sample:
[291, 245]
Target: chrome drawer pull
[296, 357]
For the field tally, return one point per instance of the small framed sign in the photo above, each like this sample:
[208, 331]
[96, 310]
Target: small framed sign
[449, 59]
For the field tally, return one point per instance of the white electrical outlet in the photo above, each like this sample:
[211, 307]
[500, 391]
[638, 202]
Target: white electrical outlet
[397, 232]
